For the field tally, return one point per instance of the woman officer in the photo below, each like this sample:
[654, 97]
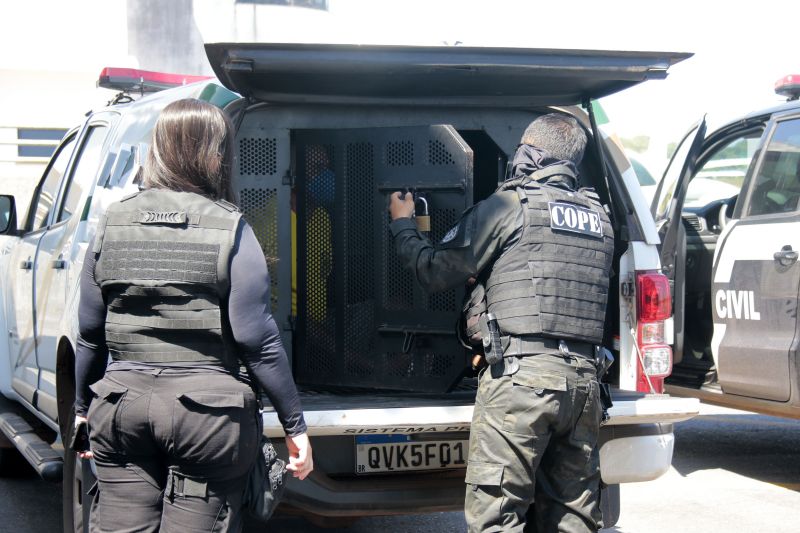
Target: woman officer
[175, 289]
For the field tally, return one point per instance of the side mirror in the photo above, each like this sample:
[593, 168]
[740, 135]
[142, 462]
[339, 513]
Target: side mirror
[8, 215]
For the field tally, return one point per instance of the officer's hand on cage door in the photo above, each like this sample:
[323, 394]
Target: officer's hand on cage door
[401, 205]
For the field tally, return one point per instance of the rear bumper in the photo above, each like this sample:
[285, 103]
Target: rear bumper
[627, 454]
[636, 445]
[635, 452]
[651, 409]
[320, 494]
[637, 442]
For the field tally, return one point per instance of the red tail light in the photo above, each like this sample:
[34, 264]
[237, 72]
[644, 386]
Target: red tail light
[654, 301]
[653, 307]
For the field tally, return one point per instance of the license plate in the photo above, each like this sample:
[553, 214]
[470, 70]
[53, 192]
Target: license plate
[399, 453]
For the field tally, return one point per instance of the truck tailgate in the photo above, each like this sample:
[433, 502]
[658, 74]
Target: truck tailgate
[366, 412]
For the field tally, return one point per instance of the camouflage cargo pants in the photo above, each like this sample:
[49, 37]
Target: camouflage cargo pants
[533, 459]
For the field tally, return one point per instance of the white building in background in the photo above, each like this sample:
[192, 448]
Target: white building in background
[52, 52]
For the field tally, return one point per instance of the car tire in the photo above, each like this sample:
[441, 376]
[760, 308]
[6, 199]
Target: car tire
[77, 482]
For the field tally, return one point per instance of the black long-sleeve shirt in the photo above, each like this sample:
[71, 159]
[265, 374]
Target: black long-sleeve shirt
[479, 237]
[252, 324]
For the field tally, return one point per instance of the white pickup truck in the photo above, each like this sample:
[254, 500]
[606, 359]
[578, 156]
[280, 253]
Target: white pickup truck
[387, 397]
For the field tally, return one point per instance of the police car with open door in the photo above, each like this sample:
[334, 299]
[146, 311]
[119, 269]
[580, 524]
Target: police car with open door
[729, 215]
[323, 134]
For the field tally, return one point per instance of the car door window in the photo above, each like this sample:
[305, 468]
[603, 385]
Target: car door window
[677, 170]
[776, 188]
[722, 175]
[48, 190]
[84, 170]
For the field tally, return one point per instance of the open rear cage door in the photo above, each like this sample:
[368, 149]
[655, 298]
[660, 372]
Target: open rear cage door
[261, 177]
[362, 320]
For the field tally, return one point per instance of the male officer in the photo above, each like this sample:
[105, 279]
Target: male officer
[541, 251]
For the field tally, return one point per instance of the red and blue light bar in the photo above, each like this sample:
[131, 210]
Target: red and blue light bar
[145, 81]
[789, 86]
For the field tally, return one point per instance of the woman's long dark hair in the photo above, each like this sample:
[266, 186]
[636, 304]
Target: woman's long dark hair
[192, 151]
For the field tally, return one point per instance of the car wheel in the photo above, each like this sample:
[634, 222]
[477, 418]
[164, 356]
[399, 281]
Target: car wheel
[77, 481]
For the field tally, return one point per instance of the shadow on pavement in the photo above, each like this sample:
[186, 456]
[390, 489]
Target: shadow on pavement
[754, 446]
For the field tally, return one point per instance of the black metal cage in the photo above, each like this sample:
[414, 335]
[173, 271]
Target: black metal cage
[362, 320]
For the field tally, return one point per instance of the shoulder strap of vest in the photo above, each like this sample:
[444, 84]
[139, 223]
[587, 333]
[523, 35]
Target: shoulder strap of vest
[589, 193]
[227, 206]
[513, 184]
[525, 182]
[130, 196]
[99, 234]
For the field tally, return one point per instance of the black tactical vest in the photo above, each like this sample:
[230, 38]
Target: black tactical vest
[163, 268]
[554, 281]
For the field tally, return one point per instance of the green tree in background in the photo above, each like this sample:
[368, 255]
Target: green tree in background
[636, 144]
[671, 147]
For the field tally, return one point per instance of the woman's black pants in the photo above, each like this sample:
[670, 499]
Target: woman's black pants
[173, 449]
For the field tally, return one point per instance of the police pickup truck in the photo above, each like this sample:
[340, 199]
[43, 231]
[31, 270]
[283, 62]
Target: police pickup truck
[729, 215]
[323, 134]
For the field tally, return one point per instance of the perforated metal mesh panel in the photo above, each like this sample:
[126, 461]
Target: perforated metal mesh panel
[359, 290]
[260, 209]
[399, 153]
[319, 192]
[438, 153]
[362, 320]
[441, 221]
[437, 364]
[398, 284]
[258, 156]
[262, 161]
[400, 365]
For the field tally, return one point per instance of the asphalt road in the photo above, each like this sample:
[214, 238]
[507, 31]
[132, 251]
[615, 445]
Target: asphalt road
[737, 473]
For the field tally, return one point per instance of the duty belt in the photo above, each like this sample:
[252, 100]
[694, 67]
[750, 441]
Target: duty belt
[515, 348]
[524, 346]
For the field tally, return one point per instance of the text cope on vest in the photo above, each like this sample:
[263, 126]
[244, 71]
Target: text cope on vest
[570, 217]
